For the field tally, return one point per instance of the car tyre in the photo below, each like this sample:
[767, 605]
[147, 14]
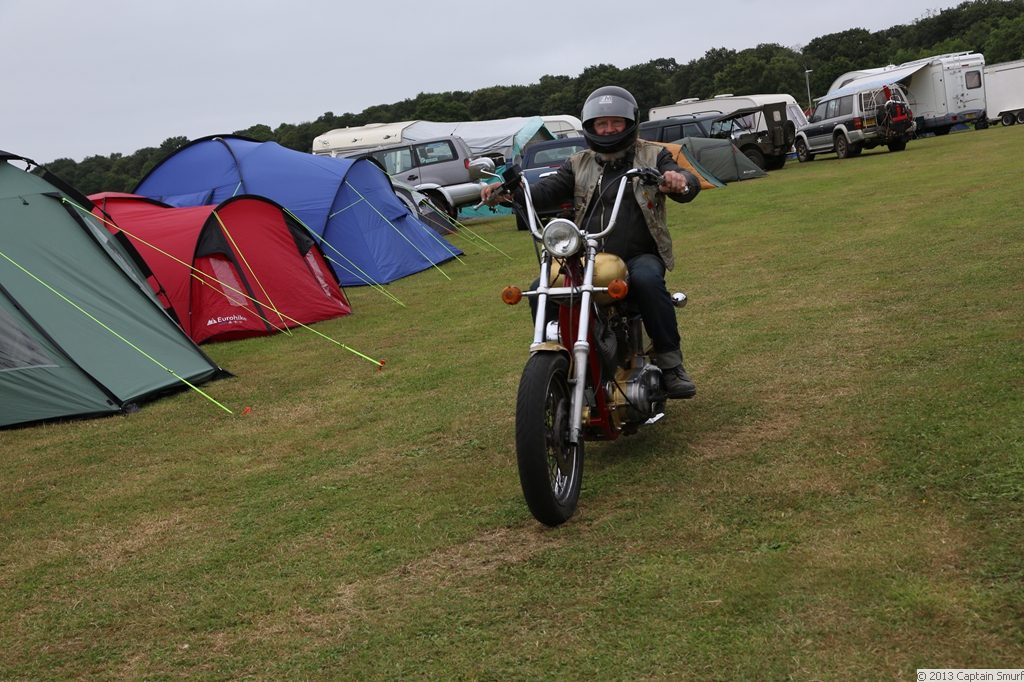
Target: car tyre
[775, 163]
[790, 133]
[442, 204]
[897, 145]
[803, 155]
[842, 146]
[1008, 119]
[1020, 117]
[755, 156]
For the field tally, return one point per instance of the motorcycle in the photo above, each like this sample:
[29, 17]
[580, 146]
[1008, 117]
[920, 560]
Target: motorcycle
[607, 385]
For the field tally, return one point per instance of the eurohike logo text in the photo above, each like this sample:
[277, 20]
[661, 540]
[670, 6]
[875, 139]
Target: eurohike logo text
[230, 319]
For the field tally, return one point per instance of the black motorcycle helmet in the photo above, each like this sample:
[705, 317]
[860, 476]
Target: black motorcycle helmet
[610, 100]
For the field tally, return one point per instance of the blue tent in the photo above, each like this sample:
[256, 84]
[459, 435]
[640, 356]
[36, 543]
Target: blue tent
[367, 233]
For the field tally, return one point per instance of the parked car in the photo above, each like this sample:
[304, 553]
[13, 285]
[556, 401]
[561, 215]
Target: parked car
[852, 122]
[760, 132]
[438, 168]
[541, 159]
[678, 127]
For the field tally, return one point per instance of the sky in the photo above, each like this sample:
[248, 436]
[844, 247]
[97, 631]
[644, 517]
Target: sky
[110, 76]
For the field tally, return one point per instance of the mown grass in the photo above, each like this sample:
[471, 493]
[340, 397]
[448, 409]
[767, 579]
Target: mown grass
[844, 494]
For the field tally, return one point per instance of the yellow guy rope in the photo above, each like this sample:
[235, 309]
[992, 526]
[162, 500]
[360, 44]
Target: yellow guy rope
[255, 276]
[367, 280]
[379, 363]
[91, 317]
[403, 236]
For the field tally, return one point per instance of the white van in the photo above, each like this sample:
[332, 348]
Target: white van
[944, 90]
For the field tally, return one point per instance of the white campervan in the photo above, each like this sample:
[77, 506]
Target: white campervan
[944, 90]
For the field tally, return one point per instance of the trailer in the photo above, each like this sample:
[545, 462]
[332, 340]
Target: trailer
[1004, 90]
[944, 90]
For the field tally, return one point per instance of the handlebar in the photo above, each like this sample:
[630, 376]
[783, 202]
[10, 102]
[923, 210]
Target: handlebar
[513, 178]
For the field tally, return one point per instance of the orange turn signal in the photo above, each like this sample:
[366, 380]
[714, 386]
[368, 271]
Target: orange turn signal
[618, 289]
[511, 295]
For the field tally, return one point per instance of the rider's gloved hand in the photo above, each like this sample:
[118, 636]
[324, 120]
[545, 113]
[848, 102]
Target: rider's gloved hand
[673, 183]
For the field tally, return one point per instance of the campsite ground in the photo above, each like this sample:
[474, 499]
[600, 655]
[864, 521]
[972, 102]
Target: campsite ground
[844, 496]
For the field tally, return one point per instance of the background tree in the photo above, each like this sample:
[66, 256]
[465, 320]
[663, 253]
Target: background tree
[993, 27]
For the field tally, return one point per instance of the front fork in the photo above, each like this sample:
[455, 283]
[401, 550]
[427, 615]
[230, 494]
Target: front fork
[581, 348]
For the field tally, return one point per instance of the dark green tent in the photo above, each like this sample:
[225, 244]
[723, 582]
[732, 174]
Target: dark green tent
[81, 333]
[721, 158]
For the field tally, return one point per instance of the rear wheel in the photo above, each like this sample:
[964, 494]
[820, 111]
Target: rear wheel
[775, 163]
[1020, 117]
[943, 130]
[842, 146]
[803, 155]
[898, 145]
[1008, 119]
[550, 467]
[755, 156]
[856, 149]
[442, 204]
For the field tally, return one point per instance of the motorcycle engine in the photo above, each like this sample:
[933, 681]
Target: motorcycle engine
[636, 394]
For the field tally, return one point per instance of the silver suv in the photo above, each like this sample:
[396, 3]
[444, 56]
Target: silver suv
[851, 122]
[438, 168]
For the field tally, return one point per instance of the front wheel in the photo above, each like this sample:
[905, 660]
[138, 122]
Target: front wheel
[550, 467]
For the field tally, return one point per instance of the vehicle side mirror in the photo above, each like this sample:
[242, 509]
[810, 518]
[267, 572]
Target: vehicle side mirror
[481, 167]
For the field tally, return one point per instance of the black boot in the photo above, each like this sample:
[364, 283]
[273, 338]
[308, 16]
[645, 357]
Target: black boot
[677, 383]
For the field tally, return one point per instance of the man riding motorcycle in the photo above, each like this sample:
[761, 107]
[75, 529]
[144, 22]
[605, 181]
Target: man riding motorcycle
[641, 238]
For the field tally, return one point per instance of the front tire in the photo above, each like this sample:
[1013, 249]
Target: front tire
[803, 155]
[550, 467]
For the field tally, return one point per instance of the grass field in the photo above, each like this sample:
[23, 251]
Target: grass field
[842, 500]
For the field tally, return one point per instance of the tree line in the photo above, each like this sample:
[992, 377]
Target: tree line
[993, 27]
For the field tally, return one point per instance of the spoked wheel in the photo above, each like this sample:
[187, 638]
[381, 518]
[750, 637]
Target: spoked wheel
[550, 467]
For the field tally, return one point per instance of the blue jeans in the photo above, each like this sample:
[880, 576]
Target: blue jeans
[647, 291]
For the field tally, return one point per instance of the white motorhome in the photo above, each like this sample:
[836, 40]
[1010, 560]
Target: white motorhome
[563, 126]
[1004, 92]
[944, 90]
[726, 104]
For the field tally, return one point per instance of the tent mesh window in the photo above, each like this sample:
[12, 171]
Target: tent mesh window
[17, 349]
[227, 281]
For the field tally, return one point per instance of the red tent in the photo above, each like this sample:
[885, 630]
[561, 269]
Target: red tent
[242, 268]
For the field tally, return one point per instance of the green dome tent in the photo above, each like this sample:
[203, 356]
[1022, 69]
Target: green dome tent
[81, 333]
[721, 158]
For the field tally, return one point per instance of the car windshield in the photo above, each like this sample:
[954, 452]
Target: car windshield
[551, 156]
[733, 126]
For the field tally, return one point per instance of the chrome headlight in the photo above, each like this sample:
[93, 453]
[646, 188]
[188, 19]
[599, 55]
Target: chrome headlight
[562, 238]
